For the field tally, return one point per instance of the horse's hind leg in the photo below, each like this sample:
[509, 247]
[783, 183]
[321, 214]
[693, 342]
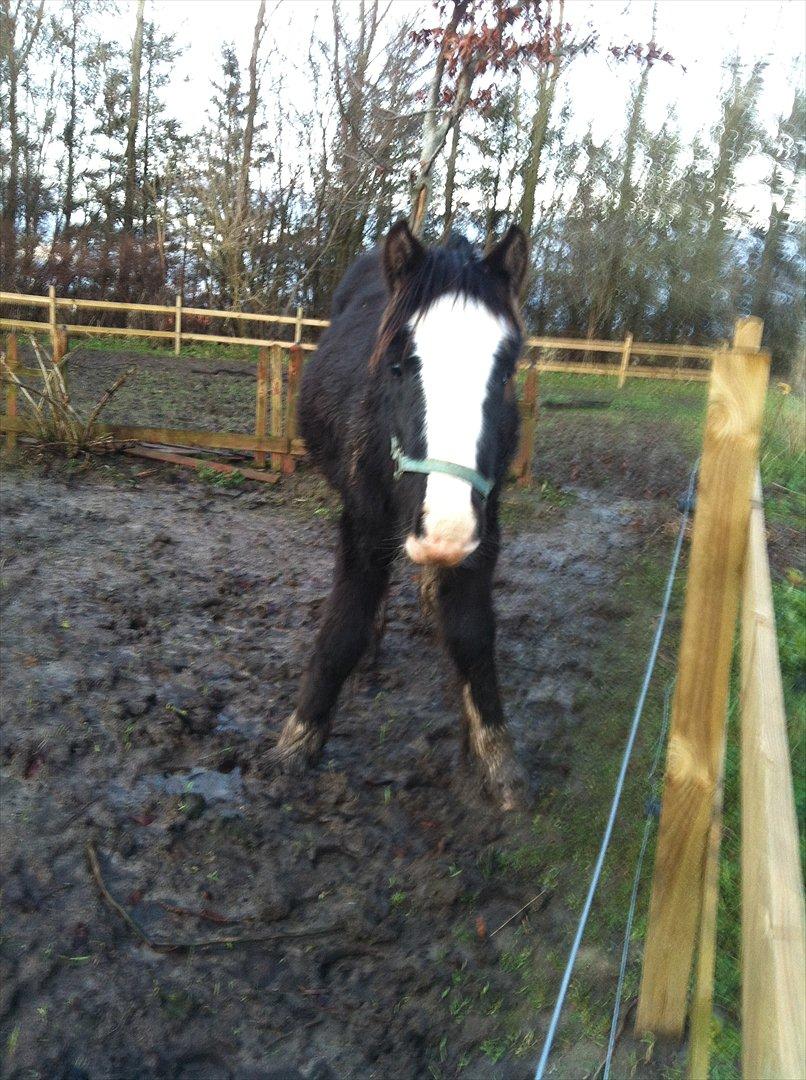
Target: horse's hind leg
[362, 574]
[467, 625]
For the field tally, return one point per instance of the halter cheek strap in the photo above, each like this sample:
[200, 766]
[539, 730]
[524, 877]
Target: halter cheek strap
[404, 464]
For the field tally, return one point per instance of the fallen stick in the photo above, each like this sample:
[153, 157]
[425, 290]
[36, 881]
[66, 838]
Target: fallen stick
[506, 922]
[196, 943]
[210, 916]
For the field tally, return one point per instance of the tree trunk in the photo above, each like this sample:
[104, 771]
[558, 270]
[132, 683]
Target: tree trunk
[251, 110]
[147, 125]
[763, 284]
[450, 182]
[435, 131]
[492, 212]
[70, 130]
[134, 117]
[603, 307]
[537, 134]
[15, 63]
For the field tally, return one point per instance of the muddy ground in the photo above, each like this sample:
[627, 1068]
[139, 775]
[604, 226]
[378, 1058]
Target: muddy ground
[153, 632]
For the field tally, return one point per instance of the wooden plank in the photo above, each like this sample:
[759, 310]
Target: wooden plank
[730, 448]
[198, 463]
[216, 440]
[639, 348]
[575, 369]
[625, 361]
[24, 324]
[574, 344]
[636, 372]
[178, 325]
[220, 339]
[298, 327]
[13, 365]
[24, 299]
[249, 316]
[112, 305]
[276, 400]
[702, 1006]
[773, 921]
[261, 404]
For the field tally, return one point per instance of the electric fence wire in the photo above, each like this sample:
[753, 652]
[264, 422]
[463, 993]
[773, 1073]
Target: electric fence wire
[651, 817]
[625, 761]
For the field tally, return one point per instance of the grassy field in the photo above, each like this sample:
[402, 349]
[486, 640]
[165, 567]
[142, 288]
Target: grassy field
[648, 419]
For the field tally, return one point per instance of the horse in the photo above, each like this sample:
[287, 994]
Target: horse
[408, 409]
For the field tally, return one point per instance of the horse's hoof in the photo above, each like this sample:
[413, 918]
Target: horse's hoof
[297, 748]
[504, 778]
[506, 782]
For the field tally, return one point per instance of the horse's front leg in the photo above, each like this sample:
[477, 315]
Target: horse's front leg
[361, 578]
[467, 624]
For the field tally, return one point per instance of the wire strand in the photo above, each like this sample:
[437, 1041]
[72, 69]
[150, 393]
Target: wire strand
[625, 761]
[625, 948]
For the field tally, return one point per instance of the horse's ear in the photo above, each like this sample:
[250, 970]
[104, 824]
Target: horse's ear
[510, 258]
[402, 253]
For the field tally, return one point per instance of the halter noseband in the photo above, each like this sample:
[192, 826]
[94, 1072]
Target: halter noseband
[404, 464]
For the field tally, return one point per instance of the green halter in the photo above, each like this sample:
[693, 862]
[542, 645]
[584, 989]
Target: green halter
[404, 464]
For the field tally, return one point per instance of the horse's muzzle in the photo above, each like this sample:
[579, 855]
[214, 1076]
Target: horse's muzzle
[438, 551]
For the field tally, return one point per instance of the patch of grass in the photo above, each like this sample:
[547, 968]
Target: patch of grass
[150, 347]
[218, 479]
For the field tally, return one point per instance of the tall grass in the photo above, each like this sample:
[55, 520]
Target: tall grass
[58, 426]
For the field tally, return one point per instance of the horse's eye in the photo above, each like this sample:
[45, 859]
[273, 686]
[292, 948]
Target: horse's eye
[397, 370]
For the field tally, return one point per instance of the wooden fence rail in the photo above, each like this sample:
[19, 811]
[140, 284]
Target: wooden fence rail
[773, 922]
[175, 314]
[277, 376]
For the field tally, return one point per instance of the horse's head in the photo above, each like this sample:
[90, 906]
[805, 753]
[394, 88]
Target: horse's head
[448, 345]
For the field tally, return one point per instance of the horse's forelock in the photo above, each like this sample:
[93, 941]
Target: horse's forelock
[451, 270]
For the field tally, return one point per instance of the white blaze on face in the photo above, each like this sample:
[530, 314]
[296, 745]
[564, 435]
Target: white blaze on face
[456, 341]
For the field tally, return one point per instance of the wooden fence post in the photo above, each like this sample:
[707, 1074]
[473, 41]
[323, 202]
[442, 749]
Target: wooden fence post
[730, 449]
[773, 950]
[276, 400]
[526, 450]
[298, 326]
[261, 407]
[294, 374]
[13, 363]
[52, 316]
[625, 360]
[178, 324]
[59, 344]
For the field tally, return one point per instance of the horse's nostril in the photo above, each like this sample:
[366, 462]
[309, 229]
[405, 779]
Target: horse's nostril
[419, 528]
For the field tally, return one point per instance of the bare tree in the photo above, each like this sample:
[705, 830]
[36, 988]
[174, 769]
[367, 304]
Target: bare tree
[134, 119]
[23, 18]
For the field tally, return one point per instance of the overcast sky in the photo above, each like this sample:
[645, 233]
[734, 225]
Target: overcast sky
[698, 33]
